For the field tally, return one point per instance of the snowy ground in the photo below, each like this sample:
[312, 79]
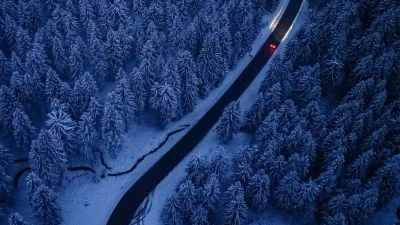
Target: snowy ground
[210, 142]
[85, 201]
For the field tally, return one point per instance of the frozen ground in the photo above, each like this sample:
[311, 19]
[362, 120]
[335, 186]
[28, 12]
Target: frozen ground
[85, 201]
[210, 143]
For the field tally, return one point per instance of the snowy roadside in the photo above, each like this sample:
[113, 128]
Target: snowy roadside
[84, 201]
[210, 142]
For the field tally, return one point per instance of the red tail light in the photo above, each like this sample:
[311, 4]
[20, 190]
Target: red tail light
[272, 46]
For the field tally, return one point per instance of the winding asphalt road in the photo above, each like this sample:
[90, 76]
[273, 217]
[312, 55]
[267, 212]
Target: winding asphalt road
[129, 203]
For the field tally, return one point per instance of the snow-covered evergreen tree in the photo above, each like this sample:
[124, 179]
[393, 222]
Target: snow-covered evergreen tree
[235, 209]
[6, 158]
[86, 134]
[5, 68]
[172, 212]
[257, 190]
[16, 219]
[23, 129]
[53, 86]
[229, 122]
[211, 64]
[164, 100]
[243, 171]
[199, 216]
[48, 159]
[211, 192]
[8, 103]
[219, 163]
[32, 183]
[85, 89]
[114, 48]
[188, 193]
[254, 116]
[139, 91]
[197, 170]
[60, 61]
[23, 43]
[147, 71]
[112, 125]
[125, 96]
[99, 60]
[45, 206]
[189, 81]
[63, 127]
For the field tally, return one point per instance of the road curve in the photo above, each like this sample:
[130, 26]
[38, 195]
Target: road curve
[129, 203]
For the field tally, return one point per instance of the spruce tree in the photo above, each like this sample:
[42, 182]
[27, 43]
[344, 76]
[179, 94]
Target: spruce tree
[48, 159]
[6, 159]
[45, 206]
[23, 129]
[229, 122]
[189, 81]
[235, 209]
[112, 125]
[16, 219]
[125, 96]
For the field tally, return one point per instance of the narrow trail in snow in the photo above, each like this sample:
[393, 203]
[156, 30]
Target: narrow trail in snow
[151, 152]
[89, 169]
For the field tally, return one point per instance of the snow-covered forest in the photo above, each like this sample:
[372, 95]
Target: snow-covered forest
[76, 74]
[325, 128]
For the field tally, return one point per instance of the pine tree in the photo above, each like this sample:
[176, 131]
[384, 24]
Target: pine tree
[85, 89]
[211, 192]
[272, 99]
[219, 163]
[225, 39]
[243, 171]
[389, 186]
[8, 103]
[23, 43]
[189, 81]
[98, 61]
[258, 190]
[86, 12]
[61, 125]
[175, 28]
[5, 68]
[359, 167]
[146, 71]
[23, 129]
[33, 182]
[197, 170]
[45, 207]
[125, 96]
[60, 60]
[114, 48]
[16, 64]
[172, 211]
[6, 159]
[156, 14]
[187, 193]
[75, 61]
[254, 116]
[86, 135]
[199, 216]
[139, 91]
[229, 122]
[235, 209]
[48, 159]
[211, 64]
[112, 126]
[165, 101]
[16, 219]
